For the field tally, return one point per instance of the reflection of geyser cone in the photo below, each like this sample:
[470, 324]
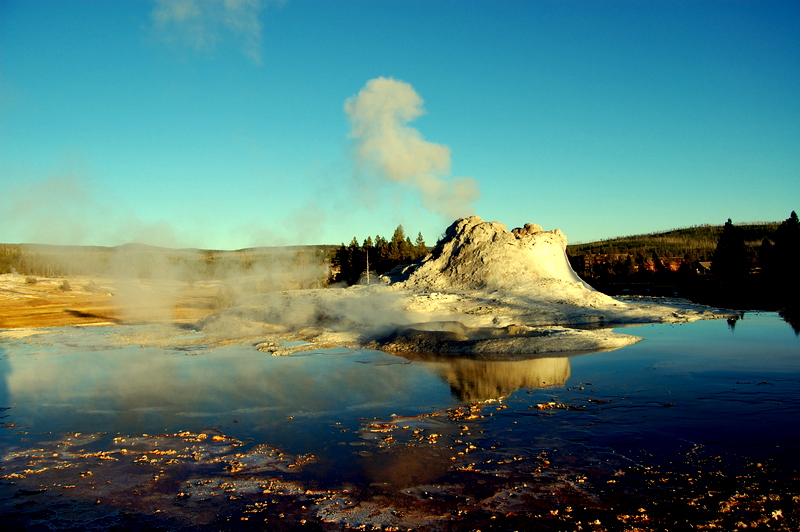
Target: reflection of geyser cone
[475, 380]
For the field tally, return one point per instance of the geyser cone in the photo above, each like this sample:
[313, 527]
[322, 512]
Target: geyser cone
[478, 255]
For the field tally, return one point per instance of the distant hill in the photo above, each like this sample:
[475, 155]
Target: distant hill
[698, 242]
[147, 261]
[680, 263]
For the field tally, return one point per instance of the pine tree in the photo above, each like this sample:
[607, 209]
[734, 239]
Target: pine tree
[399, 234]
[730, 261]
[407, 251]
[658, 264]
[786, 251]
[766, 257]
[396, 245]
[422, 249]
[641, 266]
[341, 258]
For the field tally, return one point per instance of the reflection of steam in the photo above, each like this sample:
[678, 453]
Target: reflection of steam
[387, 146]
[143, 388]
[477, 380]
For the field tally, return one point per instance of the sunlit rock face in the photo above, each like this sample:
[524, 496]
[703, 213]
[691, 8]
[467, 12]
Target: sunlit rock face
[478, 255]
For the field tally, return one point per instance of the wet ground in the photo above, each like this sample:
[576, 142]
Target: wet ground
[696, 427]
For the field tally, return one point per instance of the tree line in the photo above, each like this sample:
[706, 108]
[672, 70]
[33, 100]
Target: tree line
[746, 266]
[53, 261]
[355, 261]
[734, 265]
[777, 257]
[150, 262]
[698, 242]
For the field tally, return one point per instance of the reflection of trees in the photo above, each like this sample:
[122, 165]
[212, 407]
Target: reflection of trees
[474, 380]
[792, 317]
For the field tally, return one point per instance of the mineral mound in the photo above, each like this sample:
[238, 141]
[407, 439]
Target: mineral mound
[483, 256]
[483, 290]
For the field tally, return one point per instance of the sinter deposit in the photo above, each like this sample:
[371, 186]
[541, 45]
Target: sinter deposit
[483, 290]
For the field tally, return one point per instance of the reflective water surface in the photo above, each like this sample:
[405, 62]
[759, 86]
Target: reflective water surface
[696, 426]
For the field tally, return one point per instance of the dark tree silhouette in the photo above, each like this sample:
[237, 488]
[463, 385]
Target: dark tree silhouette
[730, 262]
[786, 252]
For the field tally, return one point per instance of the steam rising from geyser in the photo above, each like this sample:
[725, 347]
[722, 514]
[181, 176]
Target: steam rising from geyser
[387, 147]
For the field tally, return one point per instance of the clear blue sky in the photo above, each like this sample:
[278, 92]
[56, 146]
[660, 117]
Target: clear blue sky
[224, 124]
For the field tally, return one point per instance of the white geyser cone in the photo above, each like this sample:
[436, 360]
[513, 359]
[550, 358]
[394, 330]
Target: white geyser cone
[485, 256]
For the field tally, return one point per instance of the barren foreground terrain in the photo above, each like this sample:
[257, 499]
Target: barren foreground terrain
[28, 302]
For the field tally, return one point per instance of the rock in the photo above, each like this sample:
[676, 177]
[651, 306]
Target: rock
[485, 256]
[536, 341]
[529, 229]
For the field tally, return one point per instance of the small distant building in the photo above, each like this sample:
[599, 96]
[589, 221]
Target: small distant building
[704, 267]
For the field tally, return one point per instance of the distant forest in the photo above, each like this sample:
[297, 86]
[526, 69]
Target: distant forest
[689, 244]
[326, 264]
[151, 262]
[747, 266]
[353, 262]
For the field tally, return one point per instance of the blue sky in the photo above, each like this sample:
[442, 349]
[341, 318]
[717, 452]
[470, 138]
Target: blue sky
[224, 124]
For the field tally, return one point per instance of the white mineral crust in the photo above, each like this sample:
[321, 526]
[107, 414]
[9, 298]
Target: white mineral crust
[508, 291]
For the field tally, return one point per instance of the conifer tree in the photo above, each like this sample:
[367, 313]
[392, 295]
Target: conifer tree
[377, 255]
[730, 261]
[422, 249]
[641, 266]
[407, 251]
[658, 264]
[399, 234]
[766, 257]
[786, 251]
[396, 245]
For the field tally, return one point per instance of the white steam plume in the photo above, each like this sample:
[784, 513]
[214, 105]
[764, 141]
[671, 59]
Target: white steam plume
[387, 146]
[201, 24]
